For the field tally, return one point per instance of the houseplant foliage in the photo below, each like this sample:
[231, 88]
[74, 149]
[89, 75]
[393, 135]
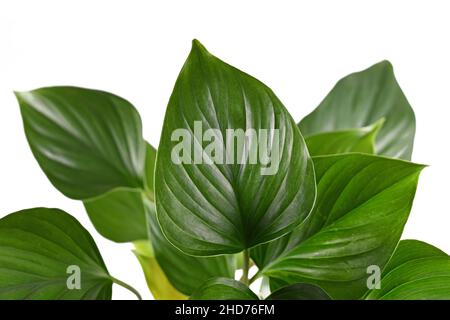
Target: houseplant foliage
[336, 205]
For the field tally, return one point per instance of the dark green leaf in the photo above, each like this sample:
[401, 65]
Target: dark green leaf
[299, 291]
[40, 249]
[119, 215]
[417, 270]
[209, 209]
[223, 289]
[87, 142]
[361, 99]
[150, 160]
[362, 206]
[344, 141]
[185, 272]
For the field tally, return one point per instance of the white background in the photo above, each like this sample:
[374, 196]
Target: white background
[300, 49]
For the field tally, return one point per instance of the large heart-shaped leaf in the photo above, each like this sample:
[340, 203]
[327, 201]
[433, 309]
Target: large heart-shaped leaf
[219, 202]
[362, 206]
[47, 254]
[223, 289]
[87, 142]
[417, 270]
[361, 99]
[185, 272]
[299, 291]
[344, 141]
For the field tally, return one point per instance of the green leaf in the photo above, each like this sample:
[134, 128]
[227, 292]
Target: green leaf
[361, 99]
[159, 285]
[362, 206]
[185, 272]
[223, 289]
[299, 291]
[119, 215]
[41, 252]
[150, 160]
[427, 278]
[87, 142]
[210, 209]
[417, 270]
[344, 141]
[408, 250]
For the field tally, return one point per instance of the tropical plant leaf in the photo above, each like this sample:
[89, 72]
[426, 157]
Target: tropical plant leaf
[344, 141]
[299, 291]
[87, 142]
[223, 289]
[362, 206]
[150, 160]
[41, 249]
[210, 209]
[119, 215]
[185, 272]
[157, 282]
[417, 270]
[361, 99]
[408, 250]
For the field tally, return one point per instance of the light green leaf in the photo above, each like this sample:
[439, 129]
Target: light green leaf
[344, 141]
[159, 285]
[223, 289]
[185, 272]
[210, 209]
[362, 206]
[42, 251]
[299, 291]
[417, 270]
[87, 142]
[361, 99]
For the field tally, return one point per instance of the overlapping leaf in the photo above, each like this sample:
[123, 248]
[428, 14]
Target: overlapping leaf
[208, 209]
[299, 291]
[363, 203]
[344, 141]
[361, 99]
[223, 289]
[417, 270]
[185, 272]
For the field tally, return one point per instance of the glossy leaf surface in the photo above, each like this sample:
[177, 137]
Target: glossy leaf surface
[352, 140]
[87, 142]
[362, 98]
[209, 209]
[223, 289]
[362, 206]
[42, 253]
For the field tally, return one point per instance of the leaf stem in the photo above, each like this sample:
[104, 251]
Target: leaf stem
[256, 276]
[126, 286]
[246, 267]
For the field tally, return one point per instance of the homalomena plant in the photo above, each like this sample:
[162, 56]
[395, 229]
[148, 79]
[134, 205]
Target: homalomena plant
[316, 213]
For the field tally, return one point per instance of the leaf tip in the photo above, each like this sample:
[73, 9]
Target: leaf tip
[198, 47]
